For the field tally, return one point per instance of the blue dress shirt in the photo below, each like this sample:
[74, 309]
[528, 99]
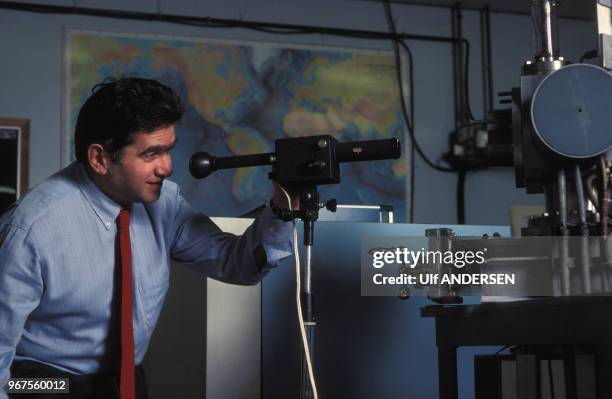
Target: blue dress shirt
[58, 250]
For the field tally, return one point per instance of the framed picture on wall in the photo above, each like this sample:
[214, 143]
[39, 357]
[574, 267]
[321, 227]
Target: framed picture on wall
[14, 134]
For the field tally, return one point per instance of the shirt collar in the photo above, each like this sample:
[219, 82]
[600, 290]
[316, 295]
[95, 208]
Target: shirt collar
[104, 207]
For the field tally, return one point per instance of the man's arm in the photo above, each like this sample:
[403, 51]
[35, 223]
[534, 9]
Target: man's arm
[20, 290]
[223, 256]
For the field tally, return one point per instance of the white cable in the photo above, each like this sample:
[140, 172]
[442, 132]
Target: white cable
[296, 255]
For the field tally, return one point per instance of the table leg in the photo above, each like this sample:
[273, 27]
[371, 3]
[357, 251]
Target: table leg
[604, 363]
[447, 372]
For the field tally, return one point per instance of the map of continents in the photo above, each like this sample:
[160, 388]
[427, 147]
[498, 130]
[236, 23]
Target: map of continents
[240, 97]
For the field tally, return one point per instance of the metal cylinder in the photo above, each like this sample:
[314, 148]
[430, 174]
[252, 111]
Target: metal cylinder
[308, 270]
[580, 195]
[564, 247]
[585, 255]
[546, 29]
[440, 240]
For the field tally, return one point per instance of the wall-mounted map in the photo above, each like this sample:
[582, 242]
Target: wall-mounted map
[241, 96]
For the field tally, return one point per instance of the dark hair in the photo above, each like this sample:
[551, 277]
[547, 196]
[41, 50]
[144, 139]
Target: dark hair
[119, 108]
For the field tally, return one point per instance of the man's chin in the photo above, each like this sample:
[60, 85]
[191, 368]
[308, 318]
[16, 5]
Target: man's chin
[150, 197]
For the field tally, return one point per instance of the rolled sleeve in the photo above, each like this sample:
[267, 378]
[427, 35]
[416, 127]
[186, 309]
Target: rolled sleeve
[275, 237]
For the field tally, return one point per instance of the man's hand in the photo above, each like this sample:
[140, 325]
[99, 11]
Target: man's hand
[280, 199]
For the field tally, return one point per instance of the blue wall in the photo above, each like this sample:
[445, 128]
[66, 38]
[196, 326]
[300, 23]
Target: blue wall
[31, 68]
[365, 347]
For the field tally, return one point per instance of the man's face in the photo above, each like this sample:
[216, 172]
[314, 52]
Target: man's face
[144, 164]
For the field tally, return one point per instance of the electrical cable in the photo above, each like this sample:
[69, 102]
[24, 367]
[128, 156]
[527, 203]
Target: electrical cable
[211, 22]
[465, 107]
[298, 293]
[461, 197]
[604, 195]
[395, 40]
[409, 124]
[466, 82]
[283, 29]
[409, 119]
[466, 115]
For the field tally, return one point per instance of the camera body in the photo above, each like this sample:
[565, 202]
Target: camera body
[306, 161]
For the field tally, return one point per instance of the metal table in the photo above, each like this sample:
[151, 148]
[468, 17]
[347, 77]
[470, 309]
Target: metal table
[543, 321]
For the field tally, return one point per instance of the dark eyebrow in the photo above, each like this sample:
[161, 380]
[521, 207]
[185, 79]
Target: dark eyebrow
[159, 148]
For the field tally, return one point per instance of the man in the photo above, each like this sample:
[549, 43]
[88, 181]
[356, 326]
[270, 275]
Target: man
[69, 245]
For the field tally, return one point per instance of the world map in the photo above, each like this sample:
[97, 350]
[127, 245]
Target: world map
[240, 97]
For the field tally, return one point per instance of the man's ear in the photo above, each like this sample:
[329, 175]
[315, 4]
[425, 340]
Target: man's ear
[98, 159]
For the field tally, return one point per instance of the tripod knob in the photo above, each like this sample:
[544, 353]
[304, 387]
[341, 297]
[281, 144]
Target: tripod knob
[331, 205]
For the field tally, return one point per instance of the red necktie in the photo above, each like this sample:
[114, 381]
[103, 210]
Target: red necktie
[126, 377]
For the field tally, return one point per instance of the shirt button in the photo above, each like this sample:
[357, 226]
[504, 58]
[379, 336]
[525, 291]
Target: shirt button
[108, 224]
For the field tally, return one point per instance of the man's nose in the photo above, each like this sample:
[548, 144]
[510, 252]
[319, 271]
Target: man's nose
[164, 167]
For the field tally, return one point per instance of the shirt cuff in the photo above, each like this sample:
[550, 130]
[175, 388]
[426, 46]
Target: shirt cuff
[276, 238]
[275, 253]
[273, 230]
